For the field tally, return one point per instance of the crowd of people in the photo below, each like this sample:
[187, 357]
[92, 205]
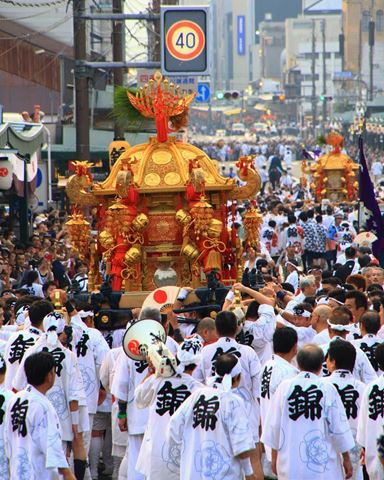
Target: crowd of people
[282, 378]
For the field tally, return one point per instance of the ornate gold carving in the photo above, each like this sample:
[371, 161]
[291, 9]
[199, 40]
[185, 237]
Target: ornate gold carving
[152, 179]
[161, 157]
[172, 178]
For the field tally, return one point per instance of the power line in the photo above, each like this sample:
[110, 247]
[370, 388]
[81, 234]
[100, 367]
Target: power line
[15, 3]
[27, 36]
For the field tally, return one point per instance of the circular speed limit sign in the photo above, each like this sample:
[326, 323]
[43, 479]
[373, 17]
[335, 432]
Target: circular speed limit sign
[185, 40]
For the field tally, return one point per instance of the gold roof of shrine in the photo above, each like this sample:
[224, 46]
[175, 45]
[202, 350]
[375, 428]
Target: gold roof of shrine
[164, 167]
[334, 161]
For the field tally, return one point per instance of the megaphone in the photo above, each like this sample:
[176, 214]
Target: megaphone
[139, 337]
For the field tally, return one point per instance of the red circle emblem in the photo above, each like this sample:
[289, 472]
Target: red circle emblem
[160, 296]
[185, 40]
[3, 172]
[133, 347]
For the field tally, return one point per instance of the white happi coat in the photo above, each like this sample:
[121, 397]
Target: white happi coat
[5, 398]
[351, 393]
[258, 334]
[307, 426]
[163, 396]
[90, 347]
[368, 345]
[363, 370]
[249, 388]
[35, 451]
[15, 349]
[107, 371]
[207, 432]
[370, 426]
[68, 384]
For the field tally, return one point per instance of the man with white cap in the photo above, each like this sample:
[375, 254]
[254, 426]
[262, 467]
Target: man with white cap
[128, 375]
[67, 393]
[338, 328]
[249, 388]
[212, 429]
[21, 340]
[164, 396]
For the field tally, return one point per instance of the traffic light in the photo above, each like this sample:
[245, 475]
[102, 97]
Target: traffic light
[219, 95]
[282, 98]
[231, 95]
[325, 98]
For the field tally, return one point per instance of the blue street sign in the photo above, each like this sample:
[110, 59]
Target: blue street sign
[203, 92]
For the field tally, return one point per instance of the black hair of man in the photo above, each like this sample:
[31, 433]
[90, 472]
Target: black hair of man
[32, 276]
[47, 285]
[252, 310]
[343, 353]
[371, 322]
[332, 281]
[37, 366]
[338, 294]
[272, 224]
[225, 363]
[291, 219]
[379, 355]
[350, 252]
[359, 297]
[38, 310]
[284, 339]
[319, 219]
[364, 261]
[23, 301]
[310, 213]
[303, 216]
[288, 287]
[310, 358]
[226, 324]
[374, 286]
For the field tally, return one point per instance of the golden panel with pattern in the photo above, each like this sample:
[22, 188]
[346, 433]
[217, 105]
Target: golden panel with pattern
[172, 178]
[152, 179]
[161, 157]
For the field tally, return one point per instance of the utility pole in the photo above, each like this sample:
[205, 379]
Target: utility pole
[371, 43]
[118, 54]
[313, 73]
[324, 75]
[81, 81]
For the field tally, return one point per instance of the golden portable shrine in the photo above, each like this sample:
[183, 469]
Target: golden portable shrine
[163, 211]
[335, 173]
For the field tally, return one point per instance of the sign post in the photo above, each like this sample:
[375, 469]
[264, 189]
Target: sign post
[184, 40]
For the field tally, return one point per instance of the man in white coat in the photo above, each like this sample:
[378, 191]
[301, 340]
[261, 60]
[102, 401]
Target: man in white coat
[249, 387]
[32, 429]
[128, 375]
[163, 396]
[211, 428]
[340, 362]
[306, 426]
[21, 340]
[371, 420]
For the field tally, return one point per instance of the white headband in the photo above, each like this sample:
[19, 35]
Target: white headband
[54, 324]
[21, 315]
[339, 328]
[189, 352]
[86, 314]
[226, 380]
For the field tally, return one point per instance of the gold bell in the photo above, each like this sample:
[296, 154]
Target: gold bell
[214, 228]
[190, 251]
[106, 239]
[132, 255]
[140, 222]
[183, 217]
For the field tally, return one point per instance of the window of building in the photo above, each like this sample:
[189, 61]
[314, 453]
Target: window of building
[365, 21]
[380, 20]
